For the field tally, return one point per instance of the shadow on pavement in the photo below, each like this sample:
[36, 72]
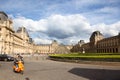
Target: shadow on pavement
[96, 74]
[27, 78]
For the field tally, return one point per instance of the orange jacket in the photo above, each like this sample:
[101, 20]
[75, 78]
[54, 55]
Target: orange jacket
[20, 65]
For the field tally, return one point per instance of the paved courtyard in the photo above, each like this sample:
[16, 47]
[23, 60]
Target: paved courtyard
[52, 70]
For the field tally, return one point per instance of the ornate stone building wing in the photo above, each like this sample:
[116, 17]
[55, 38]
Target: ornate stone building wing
[12, 42]
[99, 44]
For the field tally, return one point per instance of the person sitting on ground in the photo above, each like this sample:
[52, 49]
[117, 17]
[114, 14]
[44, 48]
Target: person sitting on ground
[17, 58]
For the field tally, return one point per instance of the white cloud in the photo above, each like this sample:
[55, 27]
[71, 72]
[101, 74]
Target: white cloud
[65, 29]
[42, 41]
[108, 10]
[108, 30]
[30, 24]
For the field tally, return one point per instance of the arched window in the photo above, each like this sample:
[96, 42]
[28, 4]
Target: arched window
[116, 50]
[113, 50]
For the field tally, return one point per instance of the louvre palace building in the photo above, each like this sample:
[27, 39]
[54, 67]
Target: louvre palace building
[13, 42]
[98, 44]
[19, 41]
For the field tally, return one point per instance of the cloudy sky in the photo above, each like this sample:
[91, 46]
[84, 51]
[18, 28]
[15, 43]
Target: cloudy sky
[66, 21]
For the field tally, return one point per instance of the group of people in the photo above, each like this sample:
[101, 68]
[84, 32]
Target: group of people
[17, 58]
[18, 61]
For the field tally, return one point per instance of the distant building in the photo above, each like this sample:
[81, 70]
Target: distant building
[54, 47]
[99, 44]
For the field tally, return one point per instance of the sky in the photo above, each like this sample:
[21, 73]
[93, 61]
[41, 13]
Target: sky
[66, 21]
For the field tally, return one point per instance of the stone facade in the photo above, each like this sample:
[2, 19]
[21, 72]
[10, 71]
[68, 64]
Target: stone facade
[99, 44]
[13, 42]
[54, 47]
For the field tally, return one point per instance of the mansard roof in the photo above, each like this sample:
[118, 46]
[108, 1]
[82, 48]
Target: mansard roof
[2, 12]
[96, 33]
[20, 29]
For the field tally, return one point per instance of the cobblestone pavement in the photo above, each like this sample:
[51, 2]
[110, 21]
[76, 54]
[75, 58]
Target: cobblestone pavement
[52, 70]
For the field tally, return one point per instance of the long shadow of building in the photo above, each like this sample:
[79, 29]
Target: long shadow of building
[96, 74]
